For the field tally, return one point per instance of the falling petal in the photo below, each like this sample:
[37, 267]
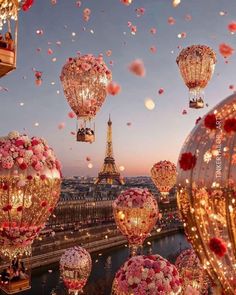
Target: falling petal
[113, 88]
[137, 68]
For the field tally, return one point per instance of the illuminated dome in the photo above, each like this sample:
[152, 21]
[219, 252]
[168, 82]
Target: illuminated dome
[207, 190]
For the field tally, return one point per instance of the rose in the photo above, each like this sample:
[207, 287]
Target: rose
[187, 161]
[218, 246]
[230, 125]
[210, 121]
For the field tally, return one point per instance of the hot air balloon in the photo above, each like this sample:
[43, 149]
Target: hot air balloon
[135, 212]
[206, 193]
[8, 47]
[150, 274]
[163, 175]
[84, 80]
[75, 268]
[193, 275]
[196, 64]
[30, 181]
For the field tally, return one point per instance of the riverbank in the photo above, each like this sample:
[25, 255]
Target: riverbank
[96, 246]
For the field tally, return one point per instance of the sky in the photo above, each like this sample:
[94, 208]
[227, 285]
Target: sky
[153, 135]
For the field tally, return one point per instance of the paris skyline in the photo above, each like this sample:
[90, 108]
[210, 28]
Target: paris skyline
[153, 135]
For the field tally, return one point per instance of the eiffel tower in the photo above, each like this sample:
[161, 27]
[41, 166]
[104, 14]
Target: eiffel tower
[109, 172]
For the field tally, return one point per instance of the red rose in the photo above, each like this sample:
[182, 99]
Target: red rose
[187, 161]
[20, 208]
[19, 142]
[230, 125]
[34, 142]
[7, 208]
[44, 203]
[43, 177]
[218, 246]
[5, 186]
[148, 280]
[232, 27]
[210, 121]
[27, 5]
[29, 177]
[23, 166]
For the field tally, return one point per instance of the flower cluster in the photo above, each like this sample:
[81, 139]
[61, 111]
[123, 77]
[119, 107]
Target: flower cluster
[146, 275]
[85, 64]
[135, 198]
[210, 121]
[75, 257]
[187, 161]
[196, 51]
[218, 247]
[22, 235]
[230, 125]
[28, 156]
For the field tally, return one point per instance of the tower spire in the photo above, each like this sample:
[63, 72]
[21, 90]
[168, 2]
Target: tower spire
[109, 172]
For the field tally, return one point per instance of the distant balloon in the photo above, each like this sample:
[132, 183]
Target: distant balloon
[196, 64]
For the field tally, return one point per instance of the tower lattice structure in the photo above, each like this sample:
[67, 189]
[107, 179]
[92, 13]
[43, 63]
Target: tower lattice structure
[109, 172]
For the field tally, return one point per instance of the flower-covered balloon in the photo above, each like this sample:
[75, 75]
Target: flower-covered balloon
[196, 64]
[84, 80]
[30, 178]
[147, 275]
[164, 175]
[207, 192]
[194, 277]
[75, 268]
[135, 212]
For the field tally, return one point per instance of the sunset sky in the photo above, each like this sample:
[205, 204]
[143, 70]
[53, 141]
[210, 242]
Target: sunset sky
[154, 135]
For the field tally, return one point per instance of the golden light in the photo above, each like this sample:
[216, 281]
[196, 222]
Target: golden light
[207, 199]
[175, 3]
[149, 104]
[122, 168]
[90, 165]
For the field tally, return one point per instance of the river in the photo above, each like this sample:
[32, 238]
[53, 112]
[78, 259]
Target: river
[105, 264]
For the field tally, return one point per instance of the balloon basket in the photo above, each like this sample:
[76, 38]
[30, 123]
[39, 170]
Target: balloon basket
[196, 98]
[135, 250]
[165, 198]
[85, 138]
[75, 292]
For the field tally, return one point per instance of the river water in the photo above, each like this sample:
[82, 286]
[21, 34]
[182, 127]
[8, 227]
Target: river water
[105, 264]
